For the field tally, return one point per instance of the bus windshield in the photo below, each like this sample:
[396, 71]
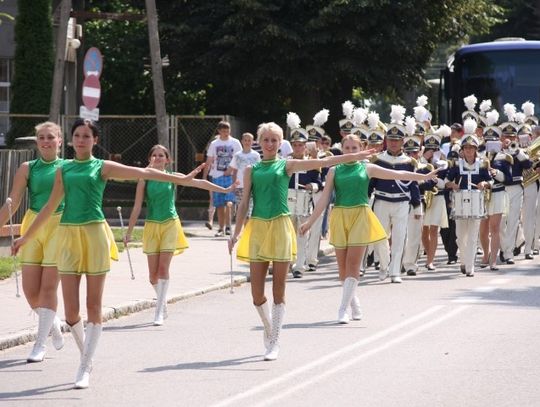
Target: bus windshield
[511, 76]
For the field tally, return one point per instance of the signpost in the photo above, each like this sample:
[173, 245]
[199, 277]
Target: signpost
[91, 89]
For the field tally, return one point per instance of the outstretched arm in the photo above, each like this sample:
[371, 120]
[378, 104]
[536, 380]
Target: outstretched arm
[116, 170]
[306, 165]
[375, 171]
[209, 186]
[17, 192]
[322, 204]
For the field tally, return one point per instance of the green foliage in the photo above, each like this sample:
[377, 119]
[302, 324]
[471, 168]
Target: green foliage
[34, 64]
[6, 266]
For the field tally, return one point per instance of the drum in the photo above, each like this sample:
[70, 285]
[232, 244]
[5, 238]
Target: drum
[468, 204]
[299, 201]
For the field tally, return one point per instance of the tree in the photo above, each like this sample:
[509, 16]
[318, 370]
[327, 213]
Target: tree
[34, 64]
[521, 19]
[262, 58]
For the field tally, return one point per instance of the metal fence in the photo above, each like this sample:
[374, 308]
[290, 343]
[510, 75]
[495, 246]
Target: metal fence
[10, 161]
[128, 139]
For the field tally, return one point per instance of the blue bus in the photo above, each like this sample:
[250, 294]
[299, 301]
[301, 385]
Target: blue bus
[505, 71]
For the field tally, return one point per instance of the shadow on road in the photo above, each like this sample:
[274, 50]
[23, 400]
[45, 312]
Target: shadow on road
[217, 365]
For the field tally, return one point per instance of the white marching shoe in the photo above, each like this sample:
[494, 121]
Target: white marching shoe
[161, 302]
[349, 288]
[278, 312]
[46, 320]
[93, 333]
[356, 310]
[165, 313]
[264, 314]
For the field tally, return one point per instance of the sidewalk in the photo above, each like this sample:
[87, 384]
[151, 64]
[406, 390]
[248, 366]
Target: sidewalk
[202, 268]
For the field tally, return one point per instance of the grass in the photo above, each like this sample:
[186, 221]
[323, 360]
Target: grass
[6, 266]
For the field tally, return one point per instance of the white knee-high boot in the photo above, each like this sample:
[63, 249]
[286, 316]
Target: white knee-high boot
[165, 313]
[162, 287]
[278, 312]
[93, 333]
[356, 310]
[264, 314]
[349, 287]
[56, 333]
[46, 320]
[77, 330]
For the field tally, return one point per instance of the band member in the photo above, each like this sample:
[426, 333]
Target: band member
[496, 200]
[466, 174]
[163, 236]
[448, 235]
[38, 257]
[269, 235]
[514, 187]
[86, 240]
[435, 214]
[302, 186]
[394, 197]
[353, 225]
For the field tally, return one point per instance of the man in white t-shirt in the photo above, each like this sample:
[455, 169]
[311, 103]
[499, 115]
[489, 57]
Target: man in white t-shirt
[241, 161]
[220, 154]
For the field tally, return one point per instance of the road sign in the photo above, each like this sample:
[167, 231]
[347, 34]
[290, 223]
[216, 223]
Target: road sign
[91, 91]
[93, 63]
[93, 114]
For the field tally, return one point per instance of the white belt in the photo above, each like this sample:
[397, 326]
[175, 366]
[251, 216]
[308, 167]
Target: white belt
[389, 195]
[517, 178]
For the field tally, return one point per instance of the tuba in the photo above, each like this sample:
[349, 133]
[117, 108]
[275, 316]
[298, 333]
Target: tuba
[530, 175]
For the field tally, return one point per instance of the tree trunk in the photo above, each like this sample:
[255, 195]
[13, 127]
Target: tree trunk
[157, 74]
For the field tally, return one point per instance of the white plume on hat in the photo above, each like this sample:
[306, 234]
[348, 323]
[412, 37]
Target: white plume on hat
[485, 106]
[421, 100]
[492, 117]
[293, 120]
[528, 108]
[410, 125]
[510, 111]
[397, 114]
[348, 108]
[443, 131]
[469, 126]
[470, 102]
[520, 117]
[373, 120]
[420, 113]
[321, 117]
[359, 116]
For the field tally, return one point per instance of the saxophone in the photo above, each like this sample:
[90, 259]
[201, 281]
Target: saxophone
[530, 175]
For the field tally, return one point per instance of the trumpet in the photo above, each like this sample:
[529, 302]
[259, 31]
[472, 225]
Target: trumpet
[513, 148]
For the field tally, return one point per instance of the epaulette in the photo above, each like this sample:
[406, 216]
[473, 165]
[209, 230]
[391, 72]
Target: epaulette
[484, 163]
[430, 167]
[414, 163]
[509, 158]
[451, 163]
[374, 158]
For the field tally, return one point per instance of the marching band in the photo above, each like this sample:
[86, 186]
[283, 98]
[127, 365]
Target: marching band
[393, 187]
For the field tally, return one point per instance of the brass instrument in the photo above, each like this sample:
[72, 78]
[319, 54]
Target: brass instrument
[428, 196]
[530, 175]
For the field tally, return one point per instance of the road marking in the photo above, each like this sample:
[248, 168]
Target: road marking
[316, 363]
[484, 289]
[307, 382]
[499, 281]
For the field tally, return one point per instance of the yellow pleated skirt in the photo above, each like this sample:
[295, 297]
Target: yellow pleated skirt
[86, 249]
[357, 226]
[166, 237]
[42, 248]
[268, 240]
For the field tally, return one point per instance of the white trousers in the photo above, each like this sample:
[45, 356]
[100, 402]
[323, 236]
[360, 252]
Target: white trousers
[510, 227]
[394, 217]
[314, 241]
[536, 244]
[412, 244]
[528, 213]
[301, 243]
[467, 239]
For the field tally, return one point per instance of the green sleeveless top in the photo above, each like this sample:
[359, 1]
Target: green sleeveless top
[269, 187]
[40, 183]
[83, 191]
[351, 183]
[160, 201]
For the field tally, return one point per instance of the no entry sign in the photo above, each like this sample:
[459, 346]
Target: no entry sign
[91, 91]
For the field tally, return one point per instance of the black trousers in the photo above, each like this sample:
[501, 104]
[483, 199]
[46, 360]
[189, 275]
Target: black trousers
[449, 240]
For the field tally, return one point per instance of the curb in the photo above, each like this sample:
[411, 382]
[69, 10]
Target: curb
[131, 307]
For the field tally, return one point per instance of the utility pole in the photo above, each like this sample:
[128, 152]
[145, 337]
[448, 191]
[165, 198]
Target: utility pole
[157, 73]
[59, 62]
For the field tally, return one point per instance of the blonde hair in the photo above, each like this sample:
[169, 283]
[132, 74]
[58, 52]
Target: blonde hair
[270, 127]
[248, 135]
[55, 128]
[352, 137]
